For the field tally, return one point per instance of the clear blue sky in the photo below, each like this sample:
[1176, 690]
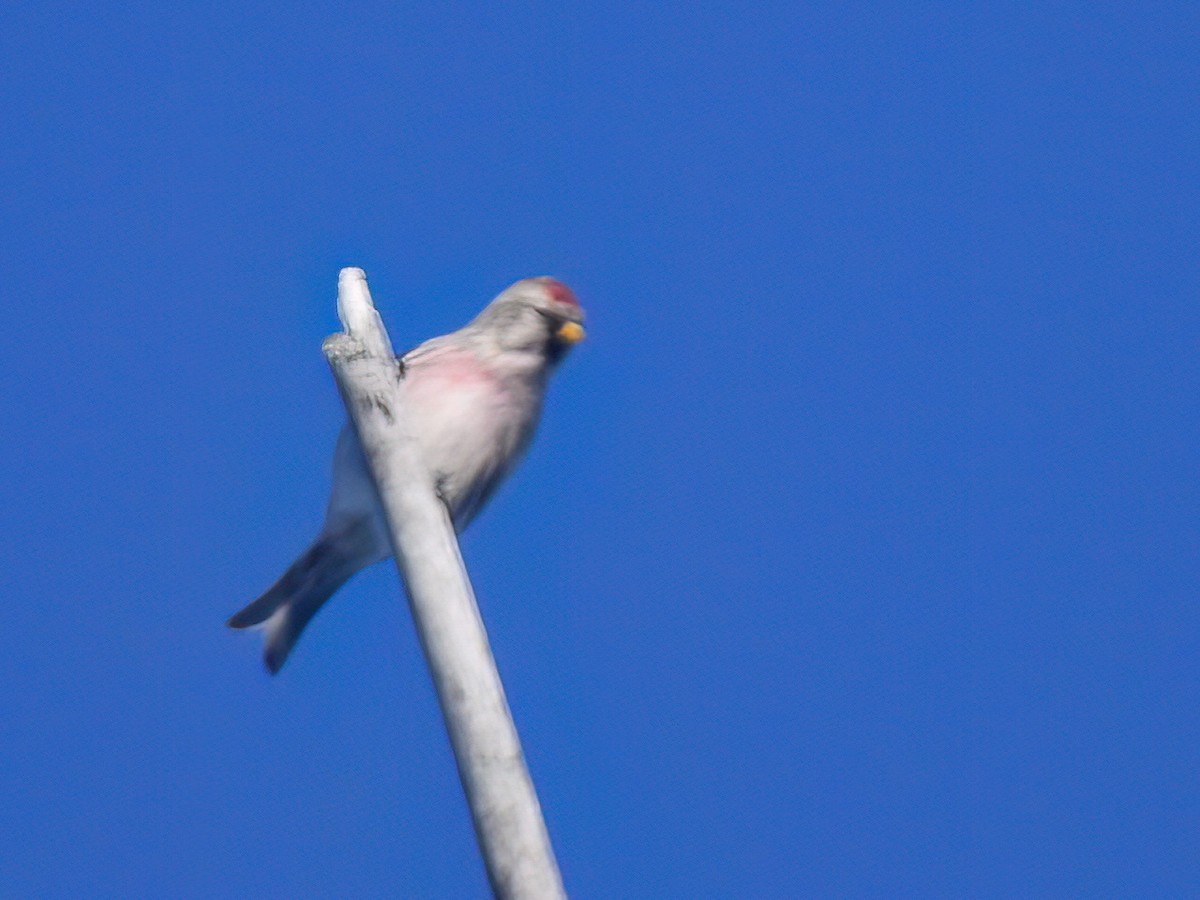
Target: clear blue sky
[857, 555]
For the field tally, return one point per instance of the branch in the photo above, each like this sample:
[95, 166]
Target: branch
[504, 807]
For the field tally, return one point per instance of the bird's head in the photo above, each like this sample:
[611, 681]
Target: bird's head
[536, 316]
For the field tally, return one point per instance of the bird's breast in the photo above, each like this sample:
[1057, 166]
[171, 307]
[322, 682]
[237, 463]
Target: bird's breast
[471, 427]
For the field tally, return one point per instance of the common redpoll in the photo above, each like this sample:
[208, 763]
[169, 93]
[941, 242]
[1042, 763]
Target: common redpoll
[473, 398]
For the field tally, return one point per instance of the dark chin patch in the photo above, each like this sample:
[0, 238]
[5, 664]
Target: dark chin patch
[555, 350]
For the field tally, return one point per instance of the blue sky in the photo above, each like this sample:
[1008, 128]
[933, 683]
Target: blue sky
[857, 555]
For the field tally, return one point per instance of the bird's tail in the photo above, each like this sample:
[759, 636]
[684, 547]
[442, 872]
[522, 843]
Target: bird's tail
[291, 602]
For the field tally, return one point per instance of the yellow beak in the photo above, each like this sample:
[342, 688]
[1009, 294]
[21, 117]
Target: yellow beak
[571, 333]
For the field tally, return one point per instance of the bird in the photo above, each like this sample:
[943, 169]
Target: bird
[473, 400]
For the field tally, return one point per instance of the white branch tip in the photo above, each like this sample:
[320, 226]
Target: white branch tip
[357, 313]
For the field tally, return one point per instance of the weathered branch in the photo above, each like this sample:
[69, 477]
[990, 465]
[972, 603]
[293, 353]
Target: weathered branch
[508, 820]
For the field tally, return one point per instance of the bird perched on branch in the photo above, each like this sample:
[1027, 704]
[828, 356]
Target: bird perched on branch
[473, 399]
